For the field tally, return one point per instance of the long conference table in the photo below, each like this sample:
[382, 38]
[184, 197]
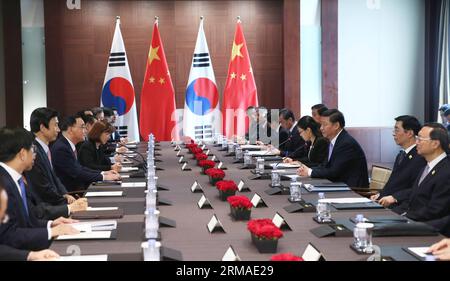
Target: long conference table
[191, 236]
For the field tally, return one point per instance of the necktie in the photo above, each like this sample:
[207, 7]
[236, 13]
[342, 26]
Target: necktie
[400, 157]
[330, 150]
[23, 194]
[424, 174]
[49, 155]
[75, 153]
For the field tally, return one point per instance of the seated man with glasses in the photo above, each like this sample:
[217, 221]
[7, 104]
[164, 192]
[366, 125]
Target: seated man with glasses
[8, 253]
[430, 195]
[72, 174]
[408, 164]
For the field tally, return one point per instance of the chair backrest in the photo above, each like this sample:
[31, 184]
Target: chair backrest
[380, 176]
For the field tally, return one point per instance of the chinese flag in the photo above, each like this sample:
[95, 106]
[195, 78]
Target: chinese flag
[240, 89]
[158, 115]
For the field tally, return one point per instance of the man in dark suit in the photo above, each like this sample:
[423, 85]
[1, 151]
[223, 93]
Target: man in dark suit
[50, 195]
[8, 253]
[408, 164]
[23, 231]
[72, 174]
[430, 195]
[346, 160]
[294, 146]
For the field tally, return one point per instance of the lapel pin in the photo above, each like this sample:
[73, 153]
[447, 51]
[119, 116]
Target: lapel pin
[433, 172]
[410, 157]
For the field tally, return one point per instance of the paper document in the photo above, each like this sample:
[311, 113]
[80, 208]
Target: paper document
[104, 225]
[102, 208]
[129, 169]
[104, 194]
[251, 146]
[86, 235]
[261, 153]
[284, 165]
[346, 200]
[84, 258]
[134, 184]
[421, 252]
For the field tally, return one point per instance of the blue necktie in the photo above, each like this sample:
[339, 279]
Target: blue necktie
[24, 194]
[330, 150]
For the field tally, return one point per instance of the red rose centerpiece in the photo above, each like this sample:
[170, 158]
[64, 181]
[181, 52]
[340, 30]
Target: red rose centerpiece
[286, 257]
[200, 157]
[264, 235]
[206, 164]
[226, 189]
[240, 207]
[191, 146]
[215, 175]
[196, 150]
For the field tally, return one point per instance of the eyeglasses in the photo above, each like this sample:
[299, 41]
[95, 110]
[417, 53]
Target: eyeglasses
[420, 139]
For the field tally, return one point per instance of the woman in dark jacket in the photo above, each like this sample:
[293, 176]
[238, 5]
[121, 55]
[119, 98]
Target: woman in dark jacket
[92, 152]
[309, 130]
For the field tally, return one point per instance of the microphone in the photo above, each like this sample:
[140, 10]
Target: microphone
[142, 164]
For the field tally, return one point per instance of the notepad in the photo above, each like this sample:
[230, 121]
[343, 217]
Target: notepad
[129, 169]
[133, 184]
[84, 258]
[102, 208]
[104, 194]
[86, 236]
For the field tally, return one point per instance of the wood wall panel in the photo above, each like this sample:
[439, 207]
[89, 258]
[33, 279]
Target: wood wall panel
[78, 44]
[330, 53]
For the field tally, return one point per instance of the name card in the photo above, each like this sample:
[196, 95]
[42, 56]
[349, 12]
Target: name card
[204, 203]
[203, 147]
[214, 158]
[215, 225]
[207, 152]
[178, 153]
[311, 253]
[242, 187]
[257, 201]
[280, 222]
[181, 160]
[231, 255]
[196, 187]
[177, 148]
[220, 165]
[185, 168]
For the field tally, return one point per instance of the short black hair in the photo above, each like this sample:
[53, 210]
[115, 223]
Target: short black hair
[308, 122]
[12, 141]
[439, 133]
[69, 121]
[89, 119]
[409, 123]
[41, 116]
[108, 111]
[317, 106]
[321, 110]
[287, 114]
[96, 110]
[335, 116]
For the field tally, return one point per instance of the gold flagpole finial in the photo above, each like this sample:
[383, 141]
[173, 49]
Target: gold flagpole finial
[239, 18]
[202, 17]
[156, 18]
